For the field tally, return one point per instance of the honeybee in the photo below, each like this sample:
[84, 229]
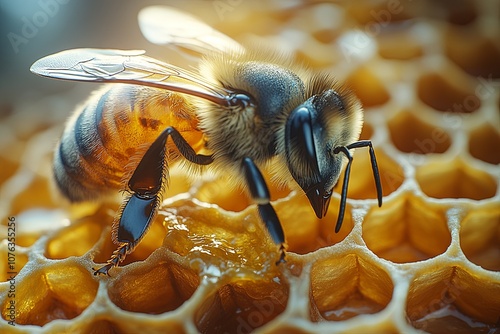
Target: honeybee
[247, 109]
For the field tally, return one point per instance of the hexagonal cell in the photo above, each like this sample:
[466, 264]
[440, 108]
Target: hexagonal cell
[75, 240]
[455, 179]
[368, 87]
[362, 182]
[56, 291]
[242, 306]
[407, 229]
[300, 224]
[390, 46]
[480, 236]
[411, 135]
[446, 298]
[475, 54]
[153, 287]
[484, 142]
[443, 93]
[109, 325]
[361, 287]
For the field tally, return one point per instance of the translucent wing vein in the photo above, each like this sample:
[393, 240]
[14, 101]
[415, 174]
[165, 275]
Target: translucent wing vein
[132, 66]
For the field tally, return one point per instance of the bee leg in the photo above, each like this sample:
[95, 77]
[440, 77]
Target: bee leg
[139, 209]
[145, 184]
[260, 195]
[376, 175]
[373, 159]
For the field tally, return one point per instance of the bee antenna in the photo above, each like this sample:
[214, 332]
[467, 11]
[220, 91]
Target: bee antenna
[343, 195]
[376, 176]
[373, 159]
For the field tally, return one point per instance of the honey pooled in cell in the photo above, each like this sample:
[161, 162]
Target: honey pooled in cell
[209, 235]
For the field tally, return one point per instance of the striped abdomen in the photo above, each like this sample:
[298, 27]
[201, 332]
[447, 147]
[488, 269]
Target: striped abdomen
[104, 141]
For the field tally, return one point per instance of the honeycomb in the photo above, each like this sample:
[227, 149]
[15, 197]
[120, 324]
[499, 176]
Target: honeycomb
[428, 260]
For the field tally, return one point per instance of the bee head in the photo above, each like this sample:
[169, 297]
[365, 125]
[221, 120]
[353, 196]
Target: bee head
[313, 130]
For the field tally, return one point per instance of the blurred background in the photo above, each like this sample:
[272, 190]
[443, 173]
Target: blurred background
[32, 29]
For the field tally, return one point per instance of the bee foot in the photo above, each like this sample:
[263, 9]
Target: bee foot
[104, 270]
[282, 256]
[117, 257]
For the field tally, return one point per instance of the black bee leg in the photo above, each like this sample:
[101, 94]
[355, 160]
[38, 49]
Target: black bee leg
[146, 184]
[343, 196]
[260, 195]
[186, 150]
[373, 159]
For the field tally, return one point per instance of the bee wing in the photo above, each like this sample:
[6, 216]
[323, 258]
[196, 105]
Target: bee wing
[126, 66]
[168, 26]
